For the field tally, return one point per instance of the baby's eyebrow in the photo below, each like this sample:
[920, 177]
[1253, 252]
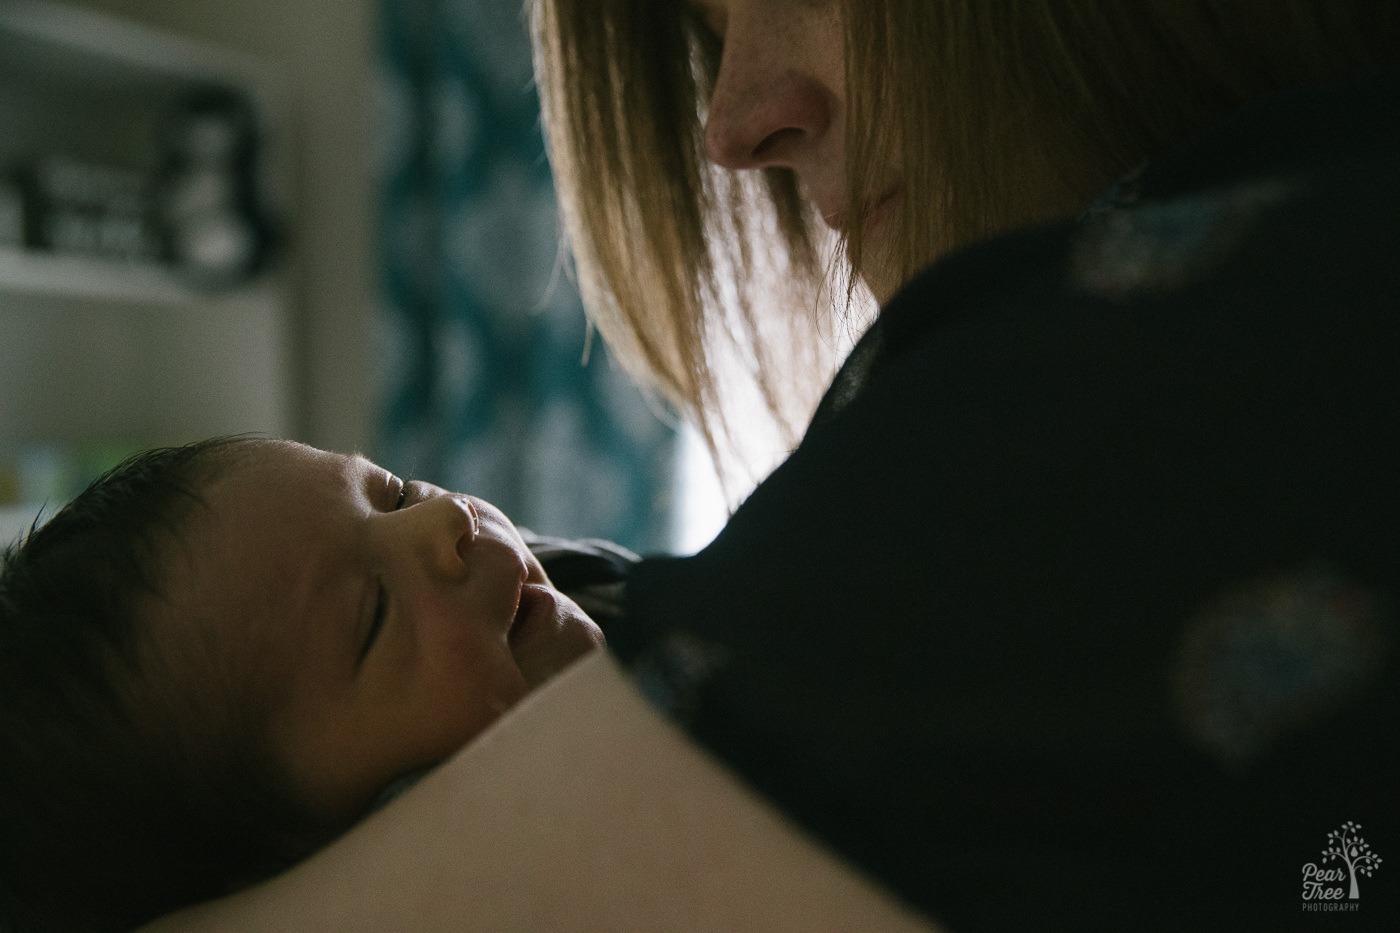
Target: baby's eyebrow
[362, 468]
[363, 462]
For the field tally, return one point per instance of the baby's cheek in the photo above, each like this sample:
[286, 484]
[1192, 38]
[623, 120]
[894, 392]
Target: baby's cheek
[483, 694]
[535, 571]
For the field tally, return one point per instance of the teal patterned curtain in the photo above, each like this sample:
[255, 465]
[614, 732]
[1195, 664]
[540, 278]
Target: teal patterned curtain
[485, 387]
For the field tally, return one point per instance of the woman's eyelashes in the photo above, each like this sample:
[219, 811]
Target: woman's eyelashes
[708, 22]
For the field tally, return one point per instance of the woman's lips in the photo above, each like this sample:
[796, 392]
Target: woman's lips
[836, 219]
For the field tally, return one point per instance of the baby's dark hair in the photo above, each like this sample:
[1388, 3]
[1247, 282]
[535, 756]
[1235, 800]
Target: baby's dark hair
[126, 789]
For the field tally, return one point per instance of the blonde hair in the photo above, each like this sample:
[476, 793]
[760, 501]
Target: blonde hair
[1009, 112]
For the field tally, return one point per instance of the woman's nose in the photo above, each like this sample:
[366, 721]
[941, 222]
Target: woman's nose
[765, 106]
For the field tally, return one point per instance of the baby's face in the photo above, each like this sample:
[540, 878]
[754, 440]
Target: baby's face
[387, 623]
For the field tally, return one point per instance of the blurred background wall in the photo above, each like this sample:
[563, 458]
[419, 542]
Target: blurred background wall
[483, 336]
[428, 319]
[326, 54]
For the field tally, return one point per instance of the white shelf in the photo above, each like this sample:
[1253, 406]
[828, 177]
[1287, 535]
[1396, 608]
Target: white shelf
[93, 348]
[79, 277]
[95, 50]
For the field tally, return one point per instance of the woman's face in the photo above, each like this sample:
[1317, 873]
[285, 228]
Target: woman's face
[780, 102]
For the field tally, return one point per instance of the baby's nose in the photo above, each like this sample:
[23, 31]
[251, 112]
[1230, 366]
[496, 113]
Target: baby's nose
[453, 529]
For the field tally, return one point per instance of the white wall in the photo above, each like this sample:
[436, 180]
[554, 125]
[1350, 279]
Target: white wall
[326, 52]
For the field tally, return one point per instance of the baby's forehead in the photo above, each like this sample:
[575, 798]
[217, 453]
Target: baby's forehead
[261, 511]
[280, 466]
[275, 519]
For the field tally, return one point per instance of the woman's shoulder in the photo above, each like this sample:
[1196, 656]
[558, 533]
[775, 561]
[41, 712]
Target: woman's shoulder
[1286, 209]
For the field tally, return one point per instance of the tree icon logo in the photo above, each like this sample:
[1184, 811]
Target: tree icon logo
[1344, 847]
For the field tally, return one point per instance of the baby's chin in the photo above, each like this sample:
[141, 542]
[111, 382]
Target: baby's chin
[551, 635]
